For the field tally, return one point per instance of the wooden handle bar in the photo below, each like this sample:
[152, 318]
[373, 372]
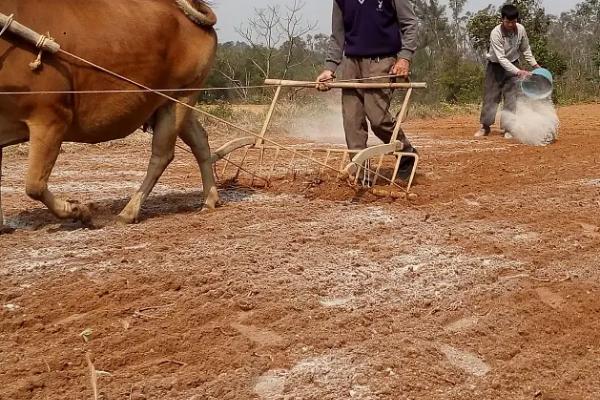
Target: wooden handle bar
[345, 85]
[28, 34]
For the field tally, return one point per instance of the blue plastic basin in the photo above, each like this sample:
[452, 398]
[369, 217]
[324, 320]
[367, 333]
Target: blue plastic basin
[539, 85]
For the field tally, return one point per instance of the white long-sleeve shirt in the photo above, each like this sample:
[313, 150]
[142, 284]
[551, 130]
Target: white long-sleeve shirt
[507, 47]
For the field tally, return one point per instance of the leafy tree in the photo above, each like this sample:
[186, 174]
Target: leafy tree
[462, 81]
[577, 35]
[443, 58]
[480, 26]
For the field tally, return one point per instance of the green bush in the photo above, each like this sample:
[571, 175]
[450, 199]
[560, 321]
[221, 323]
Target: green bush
[462, 81]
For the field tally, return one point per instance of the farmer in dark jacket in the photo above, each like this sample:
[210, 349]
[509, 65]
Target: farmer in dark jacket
[370, 38]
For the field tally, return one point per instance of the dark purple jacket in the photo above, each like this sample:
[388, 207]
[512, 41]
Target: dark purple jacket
[371, 28]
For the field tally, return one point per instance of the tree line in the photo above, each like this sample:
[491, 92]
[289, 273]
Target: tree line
[280, 42]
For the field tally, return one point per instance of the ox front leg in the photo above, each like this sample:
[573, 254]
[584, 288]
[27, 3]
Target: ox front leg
[3, 228]
[169, 120]
[45, 139]
[195, 136]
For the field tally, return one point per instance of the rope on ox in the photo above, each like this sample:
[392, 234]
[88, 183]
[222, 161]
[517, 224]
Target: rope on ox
[46, 43]
[35, 64]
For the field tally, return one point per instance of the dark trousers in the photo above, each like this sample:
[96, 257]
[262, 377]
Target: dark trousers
[499, 84]
[358, 105]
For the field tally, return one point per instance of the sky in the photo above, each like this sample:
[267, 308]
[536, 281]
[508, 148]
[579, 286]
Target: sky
[232, 13]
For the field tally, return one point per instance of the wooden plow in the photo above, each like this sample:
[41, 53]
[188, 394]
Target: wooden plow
[263, 160]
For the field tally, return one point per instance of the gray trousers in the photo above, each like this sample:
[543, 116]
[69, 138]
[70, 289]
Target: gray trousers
[499, 84]
[358, 105]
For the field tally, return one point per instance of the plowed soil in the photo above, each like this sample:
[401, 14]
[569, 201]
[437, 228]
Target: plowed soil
[486, 286]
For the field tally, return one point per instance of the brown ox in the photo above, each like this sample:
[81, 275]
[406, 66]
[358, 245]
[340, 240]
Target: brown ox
[158, 43]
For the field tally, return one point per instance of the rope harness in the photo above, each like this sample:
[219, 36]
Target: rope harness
[37, 63]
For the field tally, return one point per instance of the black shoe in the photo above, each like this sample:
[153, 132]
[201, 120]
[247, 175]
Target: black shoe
[483, 131]
[407, 164]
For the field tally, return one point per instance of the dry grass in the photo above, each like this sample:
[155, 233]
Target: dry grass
[425, 111]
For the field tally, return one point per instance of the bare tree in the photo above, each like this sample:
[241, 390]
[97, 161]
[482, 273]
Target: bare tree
[273, 33]
[458, 23]
[228, 71]
[294, 27]
[233, 67]
[263, 33]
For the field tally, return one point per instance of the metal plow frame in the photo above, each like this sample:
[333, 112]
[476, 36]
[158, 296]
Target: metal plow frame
[352, 162]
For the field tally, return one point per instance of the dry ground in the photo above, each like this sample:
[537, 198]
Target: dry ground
[486, 287]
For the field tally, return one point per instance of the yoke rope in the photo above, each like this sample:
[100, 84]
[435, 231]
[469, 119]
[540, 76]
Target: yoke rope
[37, 63]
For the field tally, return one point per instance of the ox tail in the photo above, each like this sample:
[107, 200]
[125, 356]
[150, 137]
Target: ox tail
[198, 11]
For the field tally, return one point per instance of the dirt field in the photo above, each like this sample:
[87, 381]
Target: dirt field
[486, 287]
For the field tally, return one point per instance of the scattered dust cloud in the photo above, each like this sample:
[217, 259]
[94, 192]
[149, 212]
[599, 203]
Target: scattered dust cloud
[535, 123]
[322, 125]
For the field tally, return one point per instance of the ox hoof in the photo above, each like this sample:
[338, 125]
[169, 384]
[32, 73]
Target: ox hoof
[211, 200]
[127, 219]
[5, 230]
[206, 210]
[80, 212]
[210, 206]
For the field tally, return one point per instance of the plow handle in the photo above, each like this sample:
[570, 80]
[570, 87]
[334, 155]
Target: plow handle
[345, 85]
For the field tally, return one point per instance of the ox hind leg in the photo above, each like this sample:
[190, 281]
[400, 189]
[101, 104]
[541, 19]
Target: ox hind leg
[196, 138]
[45, 139]
[170, 120]
[3, 228]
